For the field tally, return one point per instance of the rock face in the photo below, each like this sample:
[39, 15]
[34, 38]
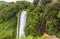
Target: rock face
[51, 37]
[39, 3]
[54, 0]
[43, 2]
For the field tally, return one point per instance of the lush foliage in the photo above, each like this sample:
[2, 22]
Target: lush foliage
[33, 21]
[53, 22]
[32, 37]
[8, 19]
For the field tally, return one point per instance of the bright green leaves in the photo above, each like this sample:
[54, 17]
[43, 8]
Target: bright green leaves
[33, 22]
[7, 28]
[58, 14]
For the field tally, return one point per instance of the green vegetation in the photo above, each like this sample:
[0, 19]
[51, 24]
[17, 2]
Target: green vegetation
[8, 19]
[52, 20]
[32, 37]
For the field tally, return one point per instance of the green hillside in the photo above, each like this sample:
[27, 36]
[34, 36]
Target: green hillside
[2, 2]
[36, 15]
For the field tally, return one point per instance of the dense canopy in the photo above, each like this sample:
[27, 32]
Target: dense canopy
[9, 15]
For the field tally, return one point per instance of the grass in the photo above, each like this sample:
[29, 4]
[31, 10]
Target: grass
[32, 37]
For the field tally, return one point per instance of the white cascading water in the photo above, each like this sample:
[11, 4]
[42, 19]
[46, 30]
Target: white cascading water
[21, 24]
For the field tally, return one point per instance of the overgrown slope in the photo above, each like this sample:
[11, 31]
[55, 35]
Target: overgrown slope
[8, 19]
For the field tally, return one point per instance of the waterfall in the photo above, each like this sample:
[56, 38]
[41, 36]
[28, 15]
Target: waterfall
[21, 24]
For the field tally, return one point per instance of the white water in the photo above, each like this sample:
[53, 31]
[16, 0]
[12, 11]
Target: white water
[21, 24]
